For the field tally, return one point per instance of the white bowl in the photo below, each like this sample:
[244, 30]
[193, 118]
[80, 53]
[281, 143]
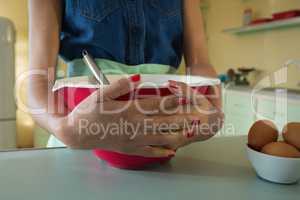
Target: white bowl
[275, 169]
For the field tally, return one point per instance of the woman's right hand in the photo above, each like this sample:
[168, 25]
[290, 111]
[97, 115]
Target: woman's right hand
[131, 127]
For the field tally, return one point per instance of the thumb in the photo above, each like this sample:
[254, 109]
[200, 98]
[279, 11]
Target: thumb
[155, 152]
[119, 88]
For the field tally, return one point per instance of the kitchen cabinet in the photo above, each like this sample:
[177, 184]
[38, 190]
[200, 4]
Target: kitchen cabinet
[7, 75]
[279, 110]
[7, 82]
[239, 113]
[265, 109]
[7, 135]
[242, 109]
[294, 111]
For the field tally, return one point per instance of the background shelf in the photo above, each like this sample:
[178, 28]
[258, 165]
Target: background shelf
[294, 22]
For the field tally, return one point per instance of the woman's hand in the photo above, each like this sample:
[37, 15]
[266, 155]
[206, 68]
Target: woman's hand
[214, 92]
[210, 117]
[195, 49]
[135, 127]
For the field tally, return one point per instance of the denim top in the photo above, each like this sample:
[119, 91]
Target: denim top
[131, 32]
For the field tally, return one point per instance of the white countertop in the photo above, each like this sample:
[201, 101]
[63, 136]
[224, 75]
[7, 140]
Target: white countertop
[217, 169]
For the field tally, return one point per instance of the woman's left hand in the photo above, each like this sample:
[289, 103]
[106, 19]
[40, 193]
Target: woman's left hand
[214, 94]
[210, 117]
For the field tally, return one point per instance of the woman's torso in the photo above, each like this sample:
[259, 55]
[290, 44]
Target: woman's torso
[131, 32]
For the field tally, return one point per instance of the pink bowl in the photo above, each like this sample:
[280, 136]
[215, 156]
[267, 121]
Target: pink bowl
[74, 95]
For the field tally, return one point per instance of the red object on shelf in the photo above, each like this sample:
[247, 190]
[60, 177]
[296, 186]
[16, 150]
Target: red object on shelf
[261, 21]
[286, 15]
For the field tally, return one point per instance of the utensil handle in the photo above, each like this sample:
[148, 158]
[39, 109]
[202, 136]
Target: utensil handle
[95, 69]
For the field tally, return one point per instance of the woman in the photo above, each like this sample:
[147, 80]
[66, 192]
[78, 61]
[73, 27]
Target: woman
[130, 33]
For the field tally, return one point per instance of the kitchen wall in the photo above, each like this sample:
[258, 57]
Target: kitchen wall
[16, 11]
[266, 51]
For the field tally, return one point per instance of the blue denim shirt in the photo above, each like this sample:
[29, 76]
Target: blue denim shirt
[131, 32]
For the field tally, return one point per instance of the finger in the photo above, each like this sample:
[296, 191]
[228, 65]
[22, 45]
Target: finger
[116, 89]
[212, 98]
[120, 87]
[155, 105]
[183, 90]
[182, 138]
[170, 122]
[213, 123]
[195, 98]
[191, 133]
[178, 88]
[154, 152]
[170, 139]
[215, 96]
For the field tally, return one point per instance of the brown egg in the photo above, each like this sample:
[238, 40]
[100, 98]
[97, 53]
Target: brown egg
[281, 149]
[261, 133]
[291, 134]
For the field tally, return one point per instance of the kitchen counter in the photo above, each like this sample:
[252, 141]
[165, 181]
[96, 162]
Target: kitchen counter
[217, 169]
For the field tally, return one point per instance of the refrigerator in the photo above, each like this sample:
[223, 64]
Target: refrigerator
[7, 82]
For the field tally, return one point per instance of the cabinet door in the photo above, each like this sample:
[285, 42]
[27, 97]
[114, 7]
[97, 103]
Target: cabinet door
[239, 113]
[7, 135]
[270, 108]
[7, 75]
[294, 112]
[265, 108]
[280, 111]
[237, 125]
